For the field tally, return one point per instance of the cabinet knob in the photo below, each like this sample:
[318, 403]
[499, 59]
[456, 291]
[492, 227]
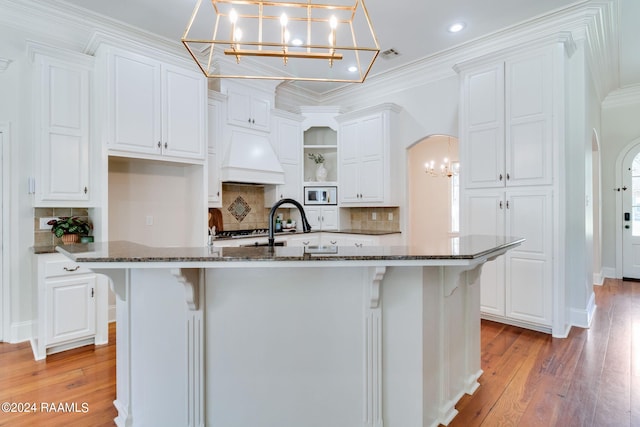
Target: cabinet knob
[507, 204]
[86, 190]
[253, 121]
[508, 177]
[249, 120]
[500, 204]
[159, 144]
[500, 177]
[218, 194]
[166, 145]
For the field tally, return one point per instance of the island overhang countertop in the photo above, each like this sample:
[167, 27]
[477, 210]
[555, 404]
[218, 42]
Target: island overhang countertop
[456, 250]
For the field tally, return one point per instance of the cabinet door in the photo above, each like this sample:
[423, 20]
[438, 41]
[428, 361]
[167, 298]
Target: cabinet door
[314, 217]
[260, 113]
[485, 215]
[371, 141]
[135, 103]
[289, 143]
[291, 188]
[482, 143]
[529, 130]
[349, 163]
[213, 158]
[184, 113]
[248, 110]
[70, 308]
[63, 144]
[529, 266]
[329, 217]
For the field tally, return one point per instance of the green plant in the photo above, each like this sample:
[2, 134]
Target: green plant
[318, 158]
[70, 225]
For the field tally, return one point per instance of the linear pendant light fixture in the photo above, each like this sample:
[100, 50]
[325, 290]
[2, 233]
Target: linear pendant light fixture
[273, 40]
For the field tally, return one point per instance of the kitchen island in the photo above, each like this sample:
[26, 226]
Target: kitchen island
[295, 336]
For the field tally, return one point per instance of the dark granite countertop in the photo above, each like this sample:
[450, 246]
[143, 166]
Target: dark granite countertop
[457, 248]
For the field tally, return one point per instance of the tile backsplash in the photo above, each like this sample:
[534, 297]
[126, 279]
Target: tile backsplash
[243, 207]
[362, 219]
[46, 237]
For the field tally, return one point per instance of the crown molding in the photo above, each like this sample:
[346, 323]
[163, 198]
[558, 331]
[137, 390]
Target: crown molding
[4, 64]
[585, 20]
[622, 97]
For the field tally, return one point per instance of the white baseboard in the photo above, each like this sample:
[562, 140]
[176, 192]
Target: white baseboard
[112, 313]
[598, 279]
[609, 272]
[582, 318]
[21, 331]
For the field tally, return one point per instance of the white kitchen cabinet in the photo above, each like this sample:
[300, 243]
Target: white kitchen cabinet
[155, 109]
[72, 306]
[322, 217]
[62, 95]
[248, 107]
[366, 157]
[343, 239]
[307, 239]
[214, 127]
[507, 122]
[516, 286]
[286, 139]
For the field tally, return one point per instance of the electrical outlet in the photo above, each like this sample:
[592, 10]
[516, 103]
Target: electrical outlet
[390, 216]
[43, 223]
[374, 216]
[149, 220]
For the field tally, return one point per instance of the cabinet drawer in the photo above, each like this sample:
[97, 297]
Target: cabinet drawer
[63, 268]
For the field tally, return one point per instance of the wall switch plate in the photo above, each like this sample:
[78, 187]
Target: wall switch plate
[390, 216]
[374, 216]
[149, 220]
[43, 223]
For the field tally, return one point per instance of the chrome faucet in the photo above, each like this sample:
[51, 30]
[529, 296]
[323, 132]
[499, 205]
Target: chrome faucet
[305, 224]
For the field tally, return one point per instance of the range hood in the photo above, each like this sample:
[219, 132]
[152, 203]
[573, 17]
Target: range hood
[249, 158]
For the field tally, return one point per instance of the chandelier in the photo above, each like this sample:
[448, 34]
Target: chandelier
[447, 168]
[274, 40]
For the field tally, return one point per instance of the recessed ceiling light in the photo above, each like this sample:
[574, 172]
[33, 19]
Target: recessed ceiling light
[296, 42]
[458, 26]
[352, 69]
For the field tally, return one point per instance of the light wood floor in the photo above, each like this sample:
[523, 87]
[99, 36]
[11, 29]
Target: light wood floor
[591, 378]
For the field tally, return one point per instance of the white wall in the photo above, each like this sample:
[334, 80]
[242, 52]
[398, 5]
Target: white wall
[153, 203]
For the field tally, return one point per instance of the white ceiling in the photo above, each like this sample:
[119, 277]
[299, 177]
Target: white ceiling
[415, 28]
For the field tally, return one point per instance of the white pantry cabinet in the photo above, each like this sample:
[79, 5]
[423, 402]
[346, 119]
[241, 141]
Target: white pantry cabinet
[286, 139]
[507, 122]
[248, 107]
[62, 124]
[322, 217]
[366, 157]
[511, 127]
[518, 285]
[72, 306]
[154, 109]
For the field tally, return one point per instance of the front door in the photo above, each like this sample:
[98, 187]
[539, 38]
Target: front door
[631, 214]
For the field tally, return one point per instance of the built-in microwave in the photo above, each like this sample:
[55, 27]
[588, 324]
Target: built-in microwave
[320, 196]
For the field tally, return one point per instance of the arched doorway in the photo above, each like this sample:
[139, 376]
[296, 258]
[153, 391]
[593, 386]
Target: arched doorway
[433, 208]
